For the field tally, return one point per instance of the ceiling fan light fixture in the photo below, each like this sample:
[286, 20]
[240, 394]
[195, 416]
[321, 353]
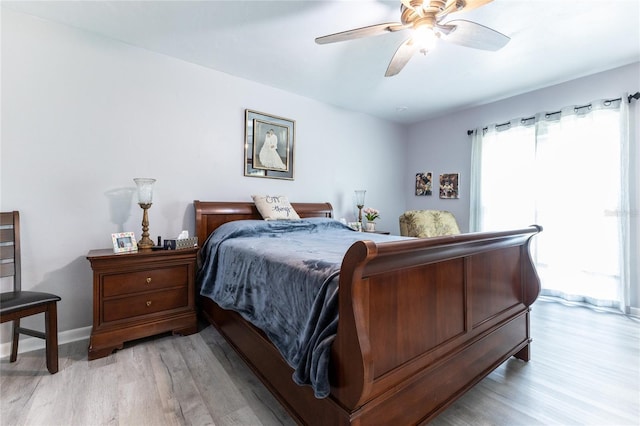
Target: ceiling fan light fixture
[425, 38]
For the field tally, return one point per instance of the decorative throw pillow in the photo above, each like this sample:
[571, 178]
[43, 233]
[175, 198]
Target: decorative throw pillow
[274, 207]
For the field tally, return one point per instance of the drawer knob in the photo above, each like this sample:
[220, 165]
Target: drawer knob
[148, 302]
[148, 280]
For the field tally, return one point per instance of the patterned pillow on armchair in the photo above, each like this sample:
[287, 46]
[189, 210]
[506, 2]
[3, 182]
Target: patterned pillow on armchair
[428, 223]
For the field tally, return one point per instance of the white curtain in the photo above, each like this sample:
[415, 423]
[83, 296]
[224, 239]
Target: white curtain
[567, 171]
[503, 177]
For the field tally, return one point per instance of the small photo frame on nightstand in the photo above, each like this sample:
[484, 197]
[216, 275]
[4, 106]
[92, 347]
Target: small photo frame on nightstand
[124, 242]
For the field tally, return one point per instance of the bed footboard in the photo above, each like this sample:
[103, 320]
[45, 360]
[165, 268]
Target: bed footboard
[422, 321]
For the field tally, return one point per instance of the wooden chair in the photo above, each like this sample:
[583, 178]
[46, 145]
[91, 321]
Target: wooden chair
[18, 304]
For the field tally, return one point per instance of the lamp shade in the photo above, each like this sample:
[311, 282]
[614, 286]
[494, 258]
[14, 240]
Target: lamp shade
[360, 197]
[145, 190]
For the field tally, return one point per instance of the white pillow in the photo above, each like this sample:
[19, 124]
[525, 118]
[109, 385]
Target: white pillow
[274, 207]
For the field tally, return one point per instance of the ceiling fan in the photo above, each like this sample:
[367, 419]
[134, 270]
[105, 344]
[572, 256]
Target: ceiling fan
[425, 18]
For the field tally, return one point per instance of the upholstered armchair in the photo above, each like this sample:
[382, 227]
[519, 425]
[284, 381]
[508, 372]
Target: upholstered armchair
[428, 223]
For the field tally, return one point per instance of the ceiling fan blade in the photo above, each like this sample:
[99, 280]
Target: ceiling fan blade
[474, 4]
[372, 30]
[407, 3]
[466, 5]
[471, 34]
[401, 57]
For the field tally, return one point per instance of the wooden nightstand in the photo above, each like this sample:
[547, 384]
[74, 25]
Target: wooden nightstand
[140, 294]
[379, 232]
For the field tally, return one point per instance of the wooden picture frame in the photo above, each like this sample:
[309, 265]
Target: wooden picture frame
[449, 185]
[269, 143]
[424, 183]
[124, 242]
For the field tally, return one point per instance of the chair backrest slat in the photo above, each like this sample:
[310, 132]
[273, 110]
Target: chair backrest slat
[10, 248]
[7, 269]
[6, 235]
[6, 218]
[6, 253]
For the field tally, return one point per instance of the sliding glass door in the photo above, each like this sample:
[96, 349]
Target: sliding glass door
[566, 171]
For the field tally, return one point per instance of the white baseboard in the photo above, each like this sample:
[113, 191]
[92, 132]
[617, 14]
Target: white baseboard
[634, 312]
[32, 343]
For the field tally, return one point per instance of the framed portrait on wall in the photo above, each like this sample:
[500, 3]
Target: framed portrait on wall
[424, 183]
[449, 185]
[268, 146]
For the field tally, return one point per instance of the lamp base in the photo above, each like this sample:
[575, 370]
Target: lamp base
[145, 242]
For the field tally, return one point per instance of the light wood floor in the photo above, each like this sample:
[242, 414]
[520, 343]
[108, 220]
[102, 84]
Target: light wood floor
[585, 370]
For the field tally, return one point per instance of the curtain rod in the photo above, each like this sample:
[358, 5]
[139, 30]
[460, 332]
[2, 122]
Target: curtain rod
[635, 96]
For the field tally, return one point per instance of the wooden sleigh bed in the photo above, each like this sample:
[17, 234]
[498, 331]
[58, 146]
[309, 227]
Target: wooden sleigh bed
[420, 322]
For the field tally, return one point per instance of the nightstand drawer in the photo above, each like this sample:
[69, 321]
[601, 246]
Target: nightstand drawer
[143, 304]
[153, 279]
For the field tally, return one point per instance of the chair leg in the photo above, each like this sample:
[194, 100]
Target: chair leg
[51, 337]
[14, 340]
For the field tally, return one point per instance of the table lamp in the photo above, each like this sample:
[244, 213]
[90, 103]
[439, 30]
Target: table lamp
[360, 202]
[145, 197]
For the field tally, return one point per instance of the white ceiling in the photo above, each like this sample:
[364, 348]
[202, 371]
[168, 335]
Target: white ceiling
[272, 42]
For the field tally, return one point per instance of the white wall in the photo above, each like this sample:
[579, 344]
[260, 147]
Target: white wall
[441, 145]
[83, 115]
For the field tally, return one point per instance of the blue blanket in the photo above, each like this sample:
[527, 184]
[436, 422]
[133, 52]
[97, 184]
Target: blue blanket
[282, 276]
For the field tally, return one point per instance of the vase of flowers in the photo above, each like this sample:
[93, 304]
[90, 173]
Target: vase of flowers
[371, 215]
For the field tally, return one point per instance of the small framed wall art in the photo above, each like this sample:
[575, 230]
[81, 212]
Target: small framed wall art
[424, 183]
[449, 185]
[124, 242]
[269, 143]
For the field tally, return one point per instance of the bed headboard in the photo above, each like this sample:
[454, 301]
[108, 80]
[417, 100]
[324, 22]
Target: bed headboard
[211, 214]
